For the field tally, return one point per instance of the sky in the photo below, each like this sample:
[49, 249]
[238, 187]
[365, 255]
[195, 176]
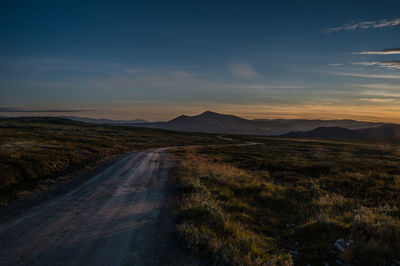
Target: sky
[158, 59]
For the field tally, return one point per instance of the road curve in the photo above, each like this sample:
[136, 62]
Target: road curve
[118, 217]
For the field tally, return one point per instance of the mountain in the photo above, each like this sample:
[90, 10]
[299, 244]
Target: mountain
[324, 132]
[211, 122]
[387, 132]
[104, 121]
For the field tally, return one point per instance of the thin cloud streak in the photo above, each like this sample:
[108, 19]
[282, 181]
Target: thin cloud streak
[382, 94]
[352, 26]
[373, 76]
[386, 65]
[377, 86]
[381, 52]
[262, 86]
[379, 100]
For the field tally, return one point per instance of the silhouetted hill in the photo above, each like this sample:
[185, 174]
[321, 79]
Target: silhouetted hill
[387, 132]
[211, 122]
[45, 119]
[104, 121]
[324, 132]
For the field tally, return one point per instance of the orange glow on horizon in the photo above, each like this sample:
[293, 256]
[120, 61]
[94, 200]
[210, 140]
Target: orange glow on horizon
[165, 112]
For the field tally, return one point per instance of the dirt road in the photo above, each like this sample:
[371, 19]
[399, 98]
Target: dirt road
[118, 217]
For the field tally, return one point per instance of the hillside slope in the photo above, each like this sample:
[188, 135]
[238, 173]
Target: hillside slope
[386, 132]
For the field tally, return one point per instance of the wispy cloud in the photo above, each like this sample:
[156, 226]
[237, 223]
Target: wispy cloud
[336, 64]
[379, 100]
[269, 86]
[373, 76]
[381, 86]
[242, 71]
[382, 94]
[381, 52]
[387, 65]
[352, 26]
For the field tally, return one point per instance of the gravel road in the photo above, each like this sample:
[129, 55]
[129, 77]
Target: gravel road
[118, 217]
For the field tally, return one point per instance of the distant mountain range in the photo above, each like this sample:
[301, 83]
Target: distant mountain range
[104, 121]
[210, 122]
[386, 131]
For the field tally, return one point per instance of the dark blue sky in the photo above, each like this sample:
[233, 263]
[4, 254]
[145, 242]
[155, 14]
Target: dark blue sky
[155, 60]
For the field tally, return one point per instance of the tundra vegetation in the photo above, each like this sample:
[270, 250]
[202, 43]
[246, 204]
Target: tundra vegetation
[286, 202]
[37, 152]
[279, 202]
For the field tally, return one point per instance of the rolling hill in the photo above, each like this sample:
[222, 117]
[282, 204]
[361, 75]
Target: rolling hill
[387, 132]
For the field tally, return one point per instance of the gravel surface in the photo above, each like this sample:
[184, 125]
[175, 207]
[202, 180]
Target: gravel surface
[120, 216]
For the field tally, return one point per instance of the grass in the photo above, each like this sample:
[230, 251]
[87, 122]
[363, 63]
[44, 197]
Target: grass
[287, 202]
[37, 152]
[281, 202]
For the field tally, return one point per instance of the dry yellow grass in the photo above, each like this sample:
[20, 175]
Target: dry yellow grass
[290, 202]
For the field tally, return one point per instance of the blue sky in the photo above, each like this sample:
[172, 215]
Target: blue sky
[155, 60]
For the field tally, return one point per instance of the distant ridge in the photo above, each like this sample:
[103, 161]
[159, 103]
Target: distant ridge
[211, 122]
[387, 132]
[323, 132]
[104, 121]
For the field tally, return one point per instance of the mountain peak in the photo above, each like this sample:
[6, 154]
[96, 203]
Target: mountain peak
[217, 116]
[208, 113]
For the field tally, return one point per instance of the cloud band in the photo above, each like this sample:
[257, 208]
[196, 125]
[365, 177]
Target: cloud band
[352, 26]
